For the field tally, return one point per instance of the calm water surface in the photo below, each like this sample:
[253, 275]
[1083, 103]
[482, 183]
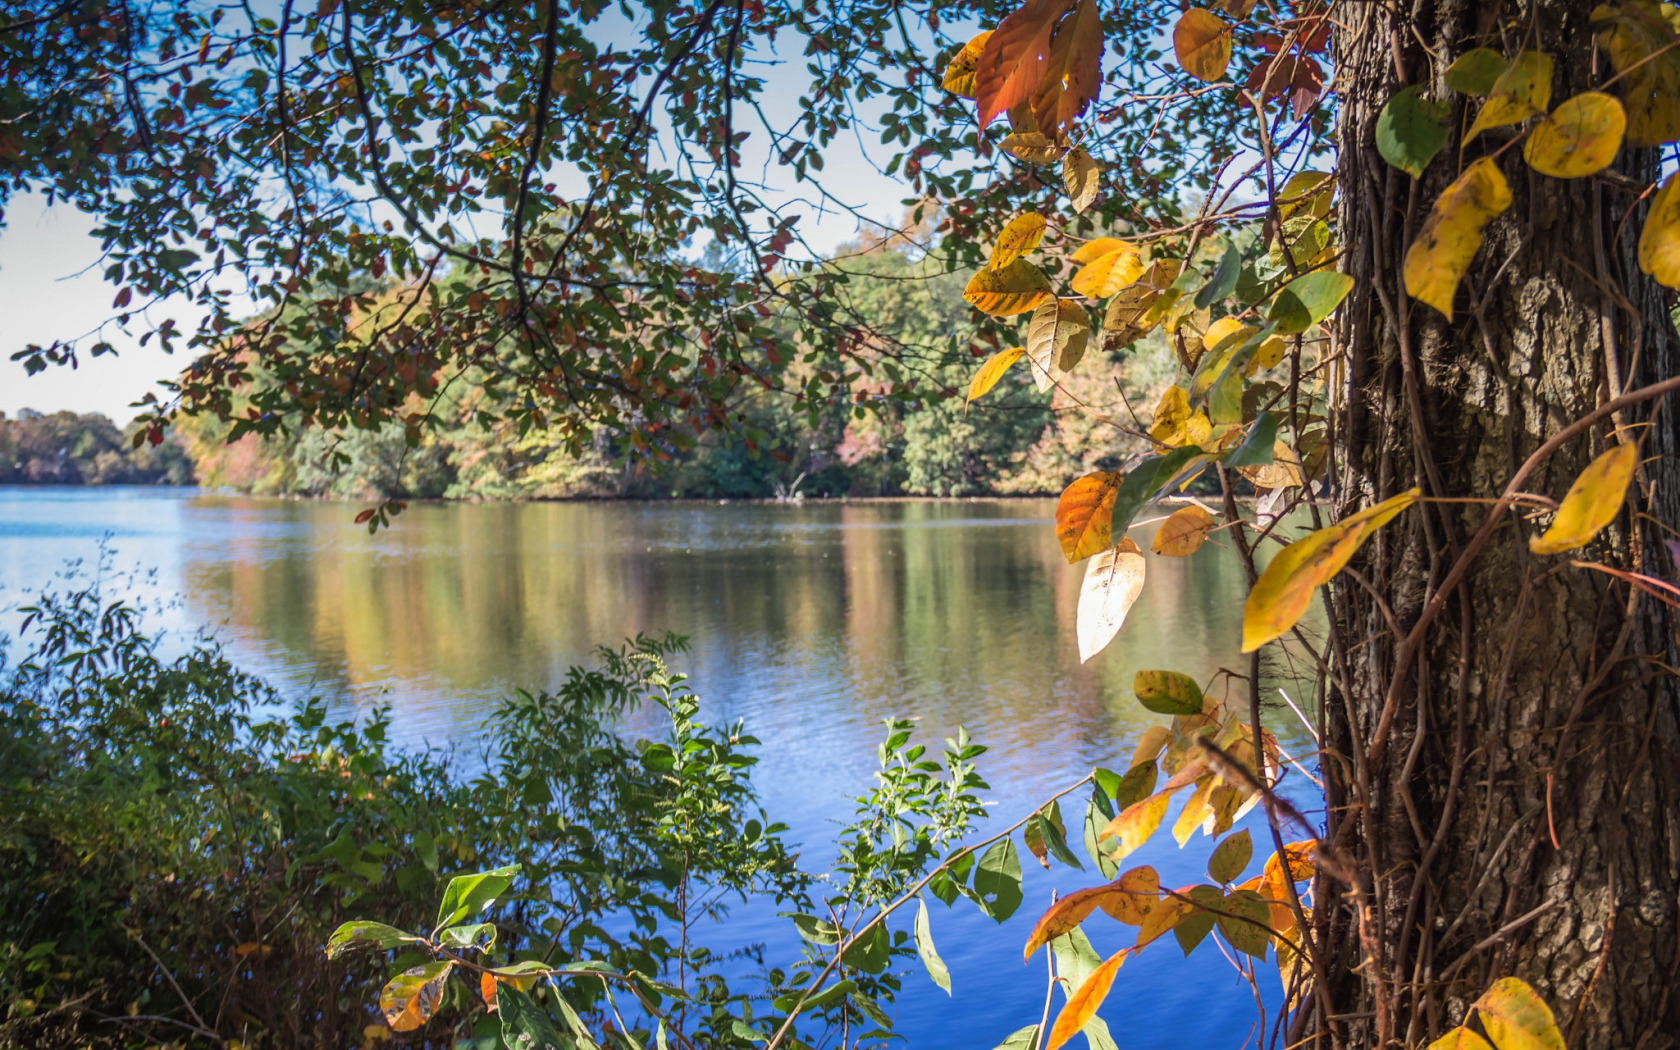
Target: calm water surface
[811, 623]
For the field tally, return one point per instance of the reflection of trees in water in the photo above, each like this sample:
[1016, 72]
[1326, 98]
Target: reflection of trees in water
[957, 613]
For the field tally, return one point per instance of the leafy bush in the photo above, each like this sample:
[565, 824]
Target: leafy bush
[172, 859]
[177, 845]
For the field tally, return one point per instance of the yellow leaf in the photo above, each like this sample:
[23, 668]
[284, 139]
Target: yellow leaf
[1524, 90]
[1065, 914]
[1268, 356]
[992, 371]
[1096, 248]
[1131, 313]
[1019, 237]
[1307, 193]
[411, 998]
[1082, 1004]
[1172, 416]
[1223, 329]
[1580, 137]
[1084, 514]
[1136, 823]
[1461, 1038]
[1640, 38]
[1154, 739]
[1202, 42]
[1439, 258]
[959, 75]
[1109, 272]
[1082, 178]
[1284, 591]
[1012, 289]
[1659, 242]
[1592, 502]
[1113, 581]
[1057, 335]
[1183, 533]
[1137, 894]
[1282, 472]
[1516, 1018]
[1035, 147]
[1197, 809]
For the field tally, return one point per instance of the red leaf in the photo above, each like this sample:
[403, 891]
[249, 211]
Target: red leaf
[1014, 59]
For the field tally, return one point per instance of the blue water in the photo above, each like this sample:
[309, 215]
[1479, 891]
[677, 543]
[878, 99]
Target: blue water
[811, 623]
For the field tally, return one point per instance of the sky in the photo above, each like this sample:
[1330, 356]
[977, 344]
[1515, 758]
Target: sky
[51, 286]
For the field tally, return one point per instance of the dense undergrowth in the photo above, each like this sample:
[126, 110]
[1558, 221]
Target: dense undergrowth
[177, 844]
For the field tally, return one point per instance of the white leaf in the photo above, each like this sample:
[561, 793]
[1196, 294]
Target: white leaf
[1113, 581]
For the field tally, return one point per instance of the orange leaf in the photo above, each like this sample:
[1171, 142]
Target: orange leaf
[410, 999]
[1082, 1004]
[1138, 894]
[1084, 514]
[1162, 918]
[1015, 57]
[1136, 823]
[1074, 74]
[1065, 914]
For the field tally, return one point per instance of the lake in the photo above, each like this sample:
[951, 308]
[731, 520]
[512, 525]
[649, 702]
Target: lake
[809, 622]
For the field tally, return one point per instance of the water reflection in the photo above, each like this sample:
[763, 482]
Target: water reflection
[811, 623]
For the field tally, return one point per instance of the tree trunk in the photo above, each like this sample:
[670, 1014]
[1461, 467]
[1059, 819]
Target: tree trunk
[1510, 786]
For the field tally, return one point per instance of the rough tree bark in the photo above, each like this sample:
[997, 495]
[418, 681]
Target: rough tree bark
[1520, 814]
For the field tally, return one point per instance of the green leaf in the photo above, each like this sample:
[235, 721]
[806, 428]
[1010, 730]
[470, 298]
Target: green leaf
[1309, 299]
[1108, 782]
[1168, 692]
[1246, 924]
[1256, 448]
[997, 880]
[1475, 71]
[870, 952]
[931, 961]
[1055, 836]
[1230, 857]
[584, 1040]
[1410, 130]
[1021, 1039]
[1137, 785]
[1224, 279]
[1199, 923]
[1094, 823]
[1076, 960]
[525, 1025]
[353, 935]
[467, 895]
[479, 935]
[1145, 482]
[815, 930]
[872, 1010]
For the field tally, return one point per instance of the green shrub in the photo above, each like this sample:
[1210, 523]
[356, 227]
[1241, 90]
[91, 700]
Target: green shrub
[173, 856]
[177, 846]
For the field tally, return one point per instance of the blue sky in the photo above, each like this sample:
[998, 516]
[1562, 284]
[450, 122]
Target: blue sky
[51, 288]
